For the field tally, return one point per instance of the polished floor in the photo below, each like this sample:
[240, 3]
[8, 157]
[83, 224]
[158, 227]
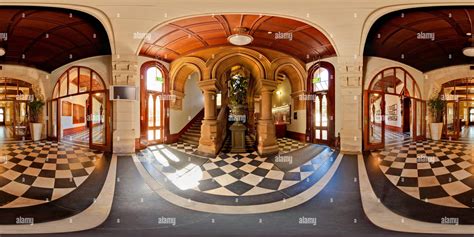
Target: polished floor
[467, 133]
[6, 134]
[139, 208]
[82, 137]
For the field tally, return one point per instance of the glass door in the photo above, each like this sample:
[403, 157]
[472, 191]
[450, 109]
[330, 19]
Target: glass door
[98, 120]
[155, 118]
[320, 128]
[52, 119]
[451, 120]
[374, 120]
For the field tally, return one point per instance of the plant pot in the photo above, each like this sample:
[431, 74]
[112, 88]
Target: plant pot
[36, 129]
[436, 131]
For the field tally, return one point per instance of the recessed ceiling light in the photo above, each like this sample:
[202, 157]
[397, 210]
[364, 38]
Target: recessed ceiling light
[270, 32]
[241, 37]
[468, 33]
[2, 52]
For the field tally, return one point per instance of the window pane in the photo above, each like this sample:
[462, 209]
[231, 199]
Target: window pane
[150, 111]
[317, 134]
[157, 134]
[63, 85]
[150, 134]
[154, 79]
[84, 80]
[97, 82]
[158, 112]
[318, 112]
[324, 134]
[320, 79]
[324, 111]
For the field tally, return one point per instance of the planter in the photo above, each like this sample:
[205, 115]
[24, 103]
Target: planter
[35, 129]
[436, 131]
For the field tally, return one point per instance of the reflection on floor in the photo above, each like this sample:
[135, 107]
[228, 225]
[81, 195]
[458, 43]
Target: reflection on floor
[440, 173]
[251, 178]
[6, 134]
[467, 133]
[82, 137]
[38, 172]
[391, 137]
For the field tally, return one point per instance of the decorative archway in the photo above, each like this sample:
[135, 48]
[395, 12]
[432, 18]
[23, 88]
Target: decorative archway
[80, 109]
[393, 102]
[320, 104]
[154, 104]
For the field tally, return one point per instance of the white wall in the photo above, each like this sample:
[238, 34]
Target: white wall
[193, 102]
[389, 101]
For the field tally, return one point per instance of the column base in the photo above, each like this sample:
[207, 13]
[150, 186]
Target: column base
[267, 143]
[208, 143]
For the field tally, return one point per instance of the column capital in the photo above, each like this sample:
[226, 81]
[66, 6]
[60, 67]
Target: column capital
[268, 85]
[208, 85]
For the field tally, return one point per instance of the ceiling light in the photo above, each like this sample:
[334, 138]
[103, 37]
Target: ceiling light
[469, 50]
[241, 37]
[2, 52]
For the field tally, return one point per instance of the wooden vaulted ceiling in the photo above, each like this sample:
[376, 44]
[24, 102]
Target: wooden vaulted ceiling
[185, 36]
[47, 38]
[399, 36]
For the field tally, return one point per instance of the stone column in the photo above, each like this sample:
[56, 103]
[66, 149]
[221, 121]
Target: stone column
[208, 143]
[124, 72]
[349, 103]
[266, 140]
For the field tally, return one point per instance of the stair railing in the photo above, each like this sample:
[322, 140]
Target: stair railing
[222, 120]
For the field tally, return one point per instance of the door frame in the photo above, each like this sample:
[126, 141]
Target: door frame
[331, 105]
[143, 141]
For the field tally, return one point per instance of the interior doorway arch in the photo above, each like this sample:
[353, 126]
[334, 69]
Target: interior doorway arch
[393, 109]
[80, 109]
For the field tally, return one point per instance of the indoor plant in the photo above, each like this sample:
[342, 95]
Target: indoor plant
[35, 125]
[436, 105]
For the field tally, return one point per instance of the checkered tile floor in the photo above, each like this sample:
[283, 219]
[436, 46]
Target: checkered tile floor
[37, 172]
[230, 174]
[285, 145]
[391, 137]
[441, 173]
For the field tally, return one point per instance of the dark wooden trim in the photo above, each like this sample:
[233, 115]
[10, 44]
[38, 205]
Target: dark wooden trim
[310, 137]
[69, 131]
[296, 136]
[393, 128]
[144, 105]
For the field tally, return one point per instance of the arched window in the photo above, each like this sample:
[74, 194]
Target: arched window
[78, 80]
[320, 79]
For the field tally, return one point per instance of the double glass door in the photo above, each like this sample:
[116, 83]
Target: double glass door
[82, 121]
[321, 117]
[155, 117]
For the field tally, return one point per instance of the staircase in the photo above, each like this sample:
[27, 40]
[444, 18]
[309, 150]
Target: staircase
[192, 135]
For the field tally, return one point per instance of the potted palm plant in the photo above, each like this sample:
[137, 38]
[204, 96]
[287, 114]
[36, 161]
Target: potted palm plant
[35, 125]
[436, 105]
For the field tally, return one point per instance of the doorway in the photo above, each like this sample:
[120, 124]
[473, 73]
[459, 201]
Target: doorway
[80, 110]
[393, 112]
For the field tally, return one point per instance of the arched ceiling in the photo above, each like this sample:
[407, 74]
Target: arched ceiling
[185, 36]
[402, 36]
[47, 38]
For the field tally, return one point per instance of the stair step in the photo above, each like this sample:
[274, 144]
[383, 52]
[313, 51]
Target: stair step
[189, 141]
[195, 133]
[190, 137]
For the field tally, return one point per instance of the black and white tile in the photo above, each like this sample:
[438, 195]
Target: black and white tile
[33, 173]
[441, 173]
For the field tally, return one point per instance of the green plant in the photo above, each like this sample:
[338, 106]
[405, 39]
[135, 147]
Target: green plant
[436, 105]
[238, 89]
[35, 109]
